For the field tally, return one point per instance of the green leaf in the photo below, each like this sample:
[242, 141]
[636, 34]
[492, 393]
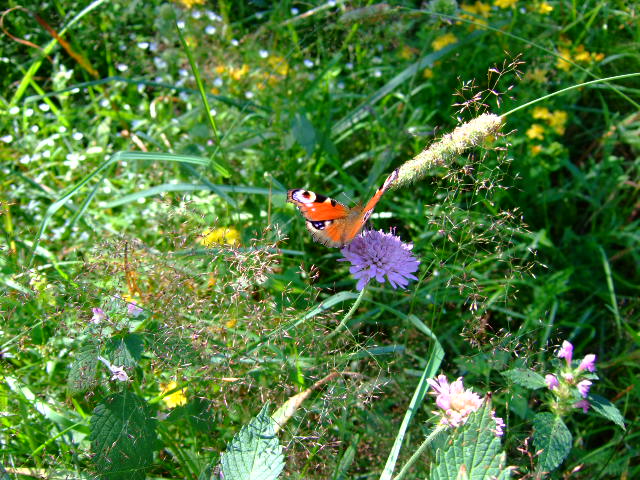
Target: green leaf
[123, 437]
[126, 350]
[473, 448]
[525, 378]
[552, 439]
[303, 132]
[606, 409]
[83, 369]
[255, 452]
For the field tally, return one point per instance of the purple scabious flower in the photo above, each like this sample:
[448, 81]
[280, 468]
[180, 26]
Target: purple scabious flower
[376, 254]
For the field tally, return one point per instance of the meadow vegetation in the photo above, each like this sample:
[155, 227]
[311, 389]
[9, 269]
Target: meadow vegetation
[165, 313]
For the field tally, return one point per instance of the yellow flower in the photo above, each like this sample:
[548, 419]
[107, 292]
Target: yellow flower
[581, 54]
[596, 57]
[223, 236]
[505, 3]
[191, 3]
[557, 120]
[278, 64]
[427, 73]
[561, 63]
[408, 52]
[443, 40]
[536, 149]
[131, 299]
[215, 91]
[174, 399]
[478, 8]
[220, 69]
[541, 113]
[544, 8]
[231, 323]
[212, 280]
[238, 73]
[538, 75]
[536, 131]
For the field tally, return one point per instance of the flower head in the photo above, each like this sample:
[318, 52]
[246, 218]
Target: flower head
[174, 399]
[222, 236]
[552, 381]
[566, 352]
[375, 254]
[133, 309]
[583, 387]
[583, 404]
[118, 373]
[443, 40]
[456, 403]
[588, 363]
[98, 316]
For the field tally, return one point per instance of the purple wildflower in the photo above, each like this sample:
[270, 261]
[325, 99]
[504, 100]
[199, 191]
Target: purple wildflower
[98, 315]
[552, 381]
[566, 352]
[118, 373]
[583, 387]
[588, 363]
[583, 404]
[375, 254]
[133, 309]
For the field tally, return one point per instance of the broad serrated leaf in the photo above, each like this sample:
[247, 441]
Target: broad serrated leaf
[123, 437]
[474, 450]
[552, 440]
[525, 378]
[255, 452]
[126, 350]
[303, 132]
[82, 375]
[606, 409]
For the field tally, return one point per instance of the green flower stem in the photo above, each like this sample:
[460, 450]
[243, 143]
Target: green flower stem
[419, 451]
[349, 314]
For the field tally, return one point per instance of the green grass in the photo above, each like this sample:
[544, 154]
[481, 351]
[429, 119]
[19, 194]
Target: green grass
[111, 183]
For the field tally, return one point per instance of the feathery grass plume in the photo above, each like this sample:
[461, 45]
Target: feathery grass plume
[443, 151]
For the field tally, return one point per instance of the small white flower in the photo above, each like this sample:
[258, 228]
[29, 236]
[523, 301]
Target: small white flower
[46, 154]
[104, 103]
[14, 110]
[235, 42]
[259, 15]
[180, 24]
[196, 14]
[349, 66]
[210, 30]
[295, 11]
[376, 60]
[213, 15]
[25, 159]
[143, 45]
[62, 129]
[183, 72]
[308, 63]
[153, 46]
[218, 82]
[248, 95]
[160, 63]
[77, 136]
[341, 85]
[6, 139]
[332, 3]
[263, 53]
[94, 150]
[73, 160]
[213, 112]
[28, 112]
[377, 73]
[35, 128]
[44, 107]
[121, 67]
[73, 91]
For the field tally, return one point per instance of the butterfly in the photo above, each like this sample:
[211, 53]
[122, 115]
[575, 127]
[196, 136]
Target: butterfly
[329, 221]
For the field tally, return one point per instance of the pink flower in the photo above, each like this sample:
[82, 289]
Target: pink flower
[98, 316]
[583, 404]
[456, 403]
[567, 376]
[133, 309]
[588, 363]
[566, 352]
[552, 381]
[583, 387]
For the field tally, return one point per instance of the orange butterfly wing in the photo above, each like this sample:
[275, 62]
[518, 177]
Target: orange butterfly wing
[330, 222]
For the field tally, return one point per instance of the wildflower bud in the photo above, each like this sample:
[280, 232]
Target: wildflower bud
[552, 381]
[583, 404]
[98, 316]
[443, 151]
[588, 363]
[583, 387]
[566, 352]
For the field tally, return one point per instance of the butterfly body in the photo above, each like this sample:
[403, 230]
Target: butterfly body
[329, 221]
